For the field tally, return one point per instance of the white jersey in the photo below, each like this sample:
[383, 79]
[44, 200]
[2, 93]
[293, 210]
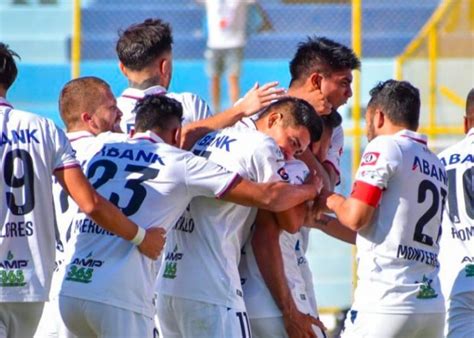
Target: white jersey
[194, 108]
[258, 299]
[336, 147]
[152, 182]
[201, 262]
[32, 148]
[398, 252]
[226, 23]
[457, 241]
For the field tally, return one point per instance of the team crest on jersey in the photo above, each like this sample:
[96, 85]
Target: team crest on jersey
[283, 174]
[426, 291]
[370, 158]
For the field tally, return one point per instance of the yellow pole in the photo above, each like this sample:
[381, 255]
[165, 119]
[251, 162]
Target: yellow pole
[398, 69]
[432, 56]
[76, 40]
[356, 115]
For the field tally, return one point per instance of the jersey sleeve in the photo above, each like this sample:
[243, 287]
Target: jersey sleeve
[333, 157]
[194, 108]
[379, 162]
[64, 156]
[205, 178]
[267, 163]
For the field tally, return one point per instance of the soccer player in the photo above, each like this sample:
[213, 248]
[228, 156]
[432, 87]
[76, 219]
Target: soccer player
[199, 289]
[107, 288]
[145, 54]
[32, 149]
[457, 242]
[88, 108]
[321, 73]
[395, 206]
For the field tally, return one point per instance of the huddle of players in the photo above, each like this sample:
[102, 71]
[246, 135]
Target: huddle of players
[106, 286]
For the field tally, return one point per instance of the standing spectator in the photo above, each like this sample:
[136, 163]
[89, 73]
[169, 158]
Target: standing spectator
[226, 38]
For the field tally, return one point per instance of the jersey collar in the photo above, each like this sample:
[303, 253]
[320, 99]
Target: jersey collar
[417, 137]
[470, 133]
[134, 93]
[149, 136]
[5, 103]
[248, 123]
[76, 135]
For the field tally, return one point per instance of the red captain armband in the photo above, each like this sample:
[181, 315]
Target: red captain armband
[366, 193]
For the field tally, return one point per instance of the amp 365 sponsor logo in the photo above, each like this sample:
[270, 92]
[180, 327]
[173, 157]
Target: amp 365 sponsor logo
[11, 271]
[171, 263]
[81, 270]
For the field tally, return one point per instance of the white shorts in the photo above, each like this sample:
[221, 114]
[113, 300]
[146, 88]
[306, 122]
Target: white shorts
[460, 316]
[19, 320]
[274, 328]
[383, 325]
[86, 318]
[185, 318]
[51, 324]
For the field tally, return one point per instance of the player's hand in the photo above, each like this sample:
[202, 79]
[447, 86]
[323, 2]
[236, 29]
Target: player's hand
[300, 325]
[153, 243]
[316, 181]
[258, 97]
[334, 200]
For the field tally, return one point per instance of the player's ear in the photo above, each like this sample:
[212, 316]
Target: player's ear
[123, 69]
[176, 136]
[273, 118]
[315, 81]
[379, 118]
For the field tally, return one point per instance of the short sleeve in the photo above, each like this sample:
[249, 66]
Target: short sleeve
[335, 150]
[379, 162]
[63, 153]
[205, 178]
[194, 108]
[267, 162]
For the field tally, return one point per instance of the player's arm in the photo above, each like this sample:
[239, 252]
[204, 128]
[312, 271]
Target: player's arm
[353, 212]
[266, 247]
[332, 227]
[254, 100]
[273, 196]
[107, 215]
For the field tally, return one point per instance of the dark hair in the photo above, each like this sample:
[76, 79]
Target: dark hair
[322, 55]
[332, 120]
[140, 44]
[79, 95]
[8, 70]
[297, 112]
[470, 103]
[399, 101]
[157, 111]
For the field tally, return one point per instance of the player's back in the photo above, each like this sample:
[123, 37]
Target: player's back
[398, 251]
[457, 241]
[194, 108]
[31, 149]
[210, 250]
